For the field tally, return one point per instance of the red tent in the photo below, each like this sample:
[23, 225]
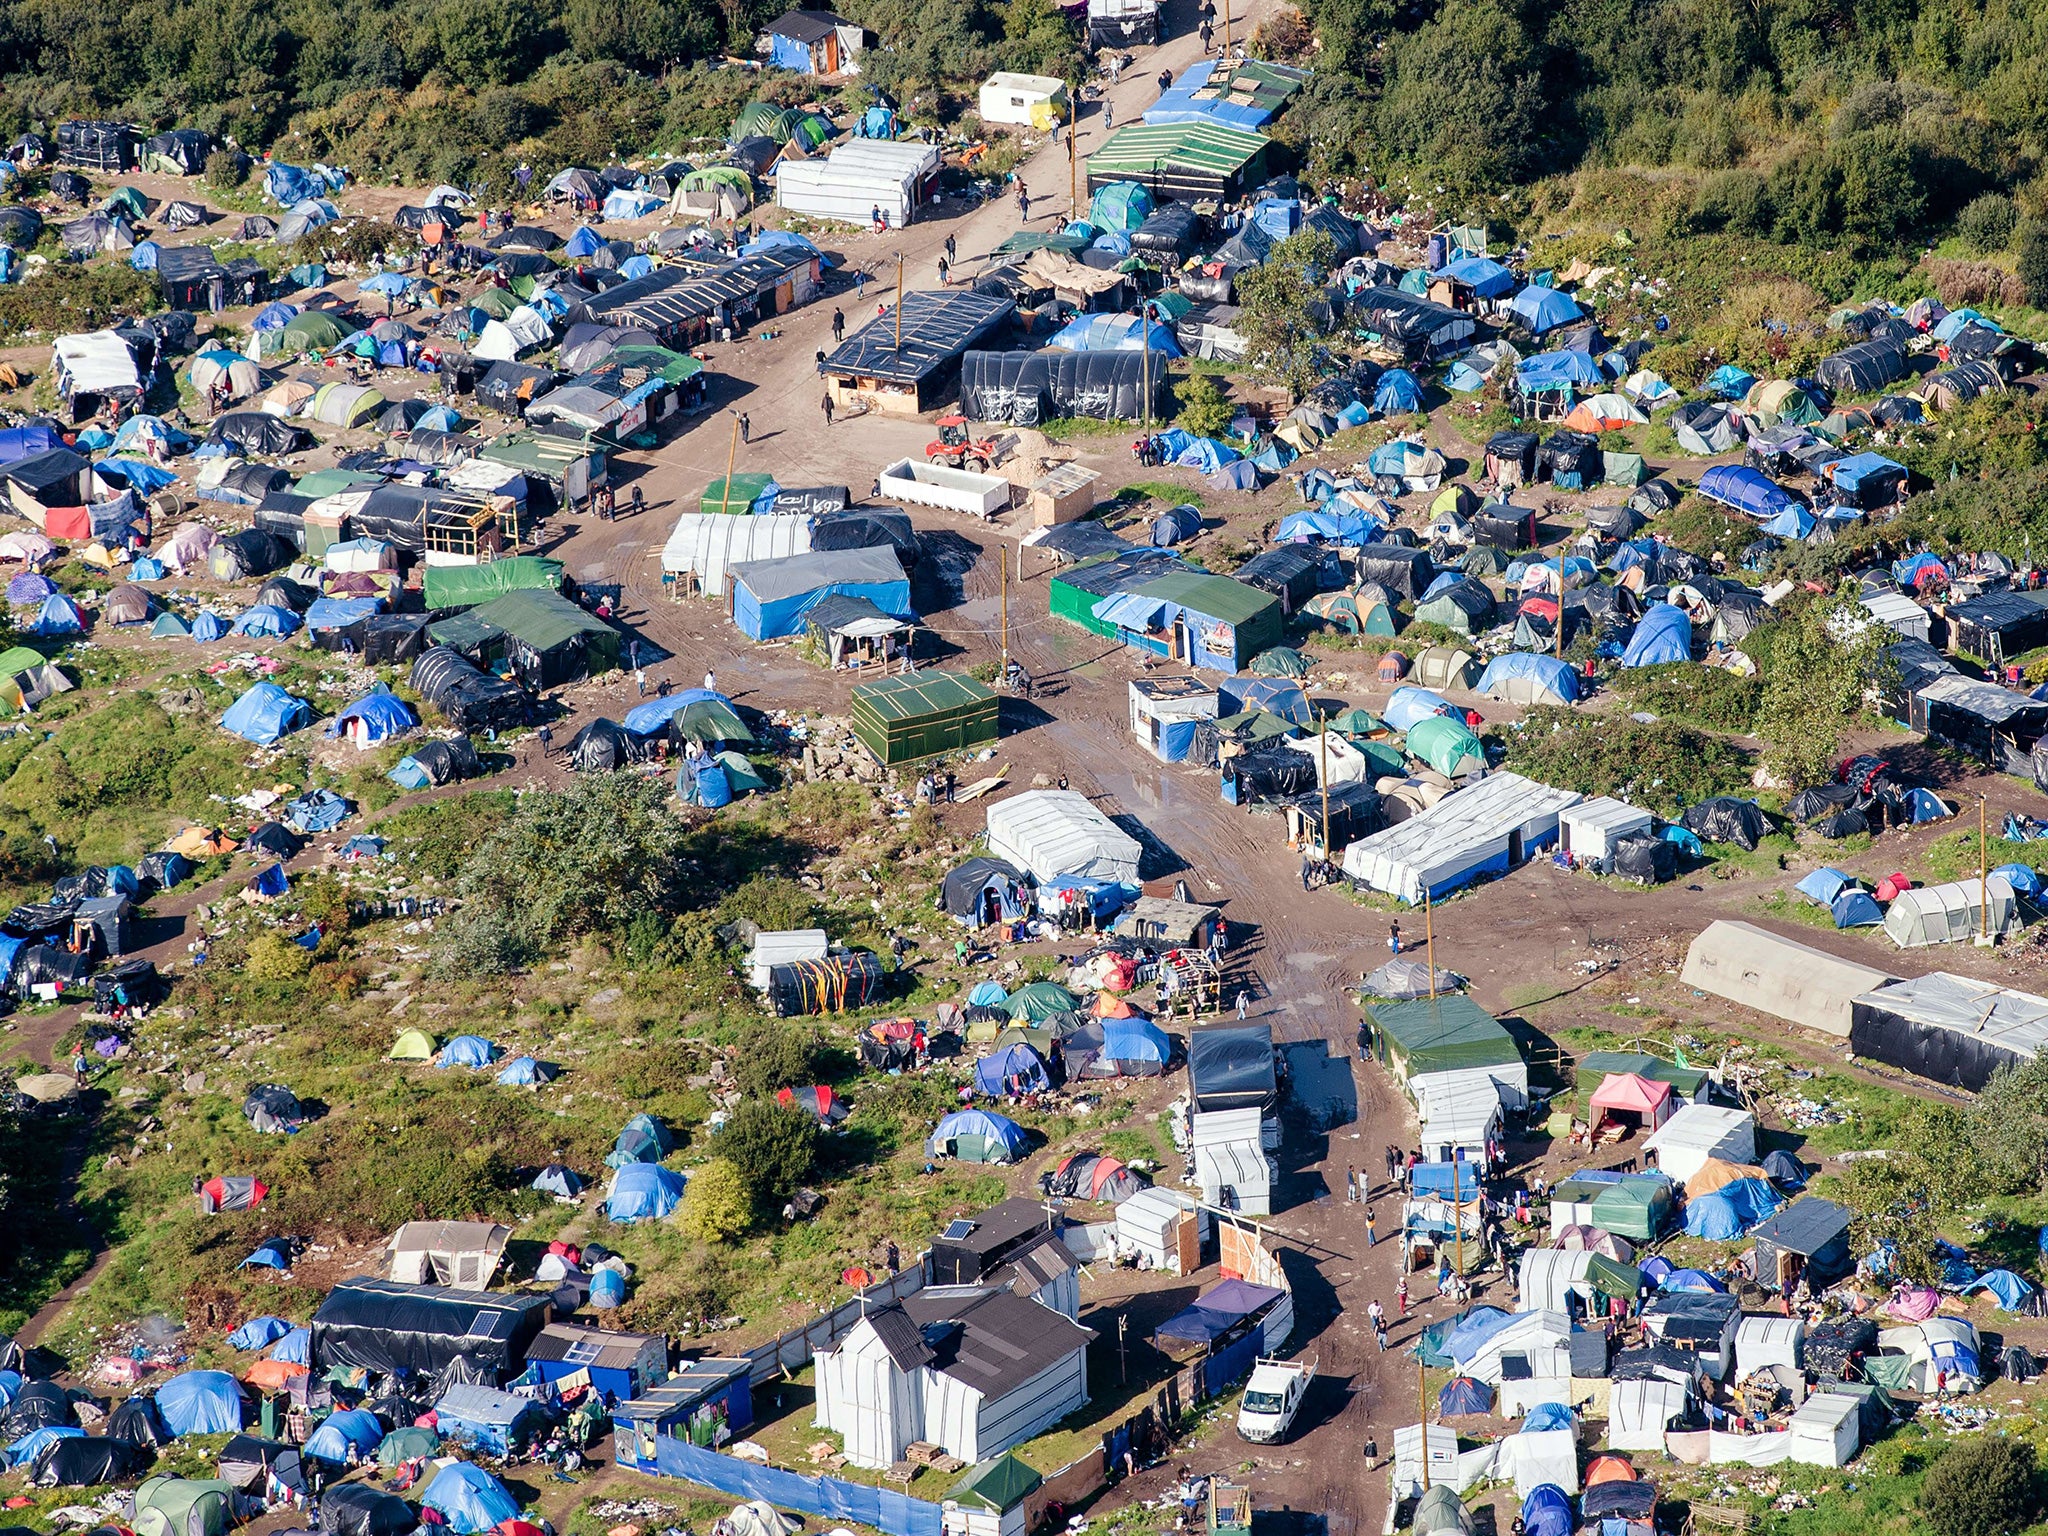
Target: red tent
[1608, 1469]
[1892, 886]
[1623, 1096]
[232, 1192]
[819, 1099]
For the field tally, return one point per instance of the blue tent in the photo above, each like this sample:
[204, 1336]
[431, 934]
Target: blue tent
[1241, 694]
[209, 627]
[1713, 1217]
[266, 621]
[561, 1182]
[704, 783]
[383, 714]
[1783, 1170]
[469, 1498]
[607, 1288]
[147, 568]
[2024, 879]
[25, 1450]
[2013, 1293]
[1461, 1394]
[994, 1072]
[1927, 805]
[996, 1129]
[275, 316]
[525, 1072]
[1730, 382]
[1747, 490]
[1397, 391]
[201, 1403]
[351, 1434]
[325, 613]
[1856, 909]
[265, 713]
[1115, 243]
[17, 443]
[1548, 1416]
[57, 616]
[585, 241]
[271, 1253]
[1135, 1047]
[987, 994]
[1409, 706]
[1544, 309]
[1951, 324]
[1696, 1281]
[635, 266]
[643, 1192]
[653, 717]
[1663, 634]
[259, 1331]
[1487, 278]
[142, 477]
[1343, 526]
[1558, 370]
[1176, 525]
[295, 1348]
[1792, 523]
[269, 881]
[1205, 454]
[468, 1051]
[1474, 1331]
[1275, 456]
[1547, 680]
[643, 1139]
[1823, 885]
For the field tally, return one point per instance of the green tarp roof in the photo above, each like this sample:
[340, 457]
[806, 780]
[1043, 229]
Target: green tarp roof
[997, 1485]
[1595, 1065]
[670, 367]
[1443, 1034]
[541, 618]
[1141, 148]
[920, 695]
[739, 499]
[1633, 1208]
[465, 631]
[1214, 597]
[453, 586]
[1611, 1277]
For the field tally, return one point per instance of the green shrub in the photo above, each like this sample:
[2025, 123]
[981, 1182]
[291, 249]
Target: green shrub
[225, 170]
[1713, 697]
[772, 1148]
[275, 958]
[2030, 247]
[1986, 225]
[772, 1056]
[1662, 766]
[717, 1206]
[1204, 409]
[1982, 1485]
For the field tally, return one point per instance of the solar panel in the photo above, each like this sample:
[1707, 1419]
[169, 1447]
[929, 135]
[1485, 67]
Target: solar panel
[956, 1230]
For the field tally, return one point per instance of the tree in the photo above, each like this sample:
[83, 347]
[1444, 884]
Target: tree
[772, 1056]
[717, 1205]
[1981, 1486]
[272, 957]
[2030, 251]
[1986, 225]
[1278, 320]
[772, 1148]
[1204, 409]
[2009, 1129]
[1825, 655]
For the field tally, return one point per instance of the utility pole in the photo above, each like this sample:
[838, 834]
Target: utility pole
[1223, 63]
[1421, 1401]
[899, 301]
[1429, 942]
[1145, 337]
[1983, 877]
[1123, 1362]
[1073, 160]
[731, 453]
[1326, 788]
[1003, 577]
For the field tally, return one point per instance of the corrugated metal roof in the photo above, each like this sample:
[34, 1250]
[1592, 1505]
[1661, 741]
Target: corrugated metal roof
[936, 329]
[1139, 149]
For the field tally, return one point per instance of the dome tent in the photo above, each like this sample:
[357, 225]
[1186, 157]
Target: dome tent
[976, 1136]
[643, 1139]
[471, 1051]
[643, 1192]
[201, 1403]
[469, 1499]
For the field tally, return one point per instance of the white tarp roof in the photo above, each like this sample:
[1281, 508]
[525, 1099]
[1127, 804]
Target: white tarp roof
[1545, 1337]
[708, 543]
[1462, 832]
[1776, 975]
[1899, 612]
[1638, 1411]
[1346, 764]
[1762, 1341]
[1456, 1108]
[1054, 832]
[96, 362]
[1548, 1274]
[1595, 826]
[2011, 1021]
[1546, 1456]
[1700, 1131]
[1941, 914]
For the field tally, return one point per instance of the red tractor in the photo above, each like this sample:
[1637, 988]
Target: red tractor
[955, 449]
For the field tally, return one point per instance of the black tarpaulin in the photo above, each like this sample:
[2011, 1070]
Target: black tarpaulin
[39, 1405]
[357, 1509]
[257, 432]
[831, 985]
[136, 1422]
[1646, 860]
[246, 1460]
[446, 761]
[472, 700]
[1724, 819]
[445, 1336]
[1404, 572]
[1230, 1066]
[866, 528]
[1270, 773]
[603, 746]
[82, 1461]
[1864, 368]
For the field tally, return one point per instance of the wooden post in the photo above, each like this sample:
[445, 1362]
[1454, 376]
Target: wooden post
[1145, 337]
[1326, 788]
[1003, 577]
[1429, 942]
[1421, 1400]
[1073, 160]
[1983, 875]
[1225, 58]
[899, 301]
[731, 453]
[1458, 1212]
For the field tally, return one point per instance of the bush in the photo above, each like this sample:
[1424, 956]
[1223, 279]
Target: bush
[717, 1206]
[772, 1056]
[1986, 225]
[275, 958]
[2030, 248]
[225, 170]
[1204, 409]
[1981, 1486]
[74, 298]
[1713, 697]
[1733, 200]
[771, 1147]
[1662, 766]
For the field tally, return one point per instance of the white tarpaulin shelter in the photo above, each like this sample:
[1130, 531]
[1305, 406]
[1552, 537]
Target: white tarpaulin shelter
[521, 331]
[97, 363]
[1411, 1443]
[1942, 914]
[1727, 1450]
[1336, 760]
[1486, 828]
[1231, 1165]
[1698, 1132]
[705, 544]
[857, 178]
[1638, 1413]
[1827, 1430]
[1148, 1222]
[1590, 829]
[1054, 832]
[1459, 1111]
[1942, 1351]
[1548, 1275]
[1510, 1080]
[1538, 1342]
[785, 948]
[1546, 1456]
[1788, 980]
[1762, 1341]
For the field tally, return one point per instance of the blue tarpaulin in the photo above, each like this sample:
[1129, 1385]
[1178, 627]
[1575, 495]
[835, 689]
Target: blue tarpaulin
[1730, 382]
[295, 1348]
[1282, 696]
[2013, 1293]
[1823, 885]
[996, 1073]
[1408, 706]
[470, 1499]
[382, 715]
[1341, 525]
[1205, 454]
[1697, 1281]
[266, 621]
[1663, 634]
[1556, 681]
[468, 1051]
[1543, 309]
[1558, 370]
[1548, 1416]
[257, 1332]
[340, 612]
[1451, 1181]
[643, 1192]
[1487, 278]
[265, 713]
[829, 1498]
[201, 1403]
[1747, 490]
[1474, 1331]
[999, 1129]
[346, 1436]
[1217, 1311]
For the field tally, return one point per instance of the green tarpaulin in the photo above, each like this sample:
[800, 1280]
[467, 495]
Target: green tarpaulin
[1595, 1066]
[740, 499]
[461, 586]
[997, 1485]
[1439, 1035]
[1633, 1208]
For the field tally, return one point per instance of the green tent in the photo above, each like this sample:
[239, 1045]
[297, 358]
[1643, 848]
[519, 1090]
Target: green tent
[409, 1442]
[709, 720]
[183, 1506]
[1625, 468]
[1447, 745]
[313, 331]
[1440, 1034]
[998, 1485]
[1463, 608]
[669, 367]
[739, 499]
[1386, 759]
[1259, 725]
[461, 586]
[742, 775]
[902, 719]
[1281, 661]
[765, 120]
[126, 200]
[495, 302]
[1120, 207]
[1611, 1277]
[1633, 1208]
[414, 1045]
[555, 640]
[1039, 999]
[18, 660]
[1037, 1037]
[1357, 722]
[1339, 610]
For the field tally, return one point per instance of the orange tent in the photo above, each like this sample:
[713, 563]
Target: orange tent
[1108, 1007]
[1717, 1173]
[273, 1375]
[1608, 1469]
[201, 843]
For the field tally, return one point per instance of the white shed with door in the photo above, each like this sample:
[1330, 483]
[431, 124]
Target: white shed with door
[1024, 101]
[1590, 829]
[1827, 1430]
[1699, 1132]
[1762, 1341]
[1639, 1412]
[1231, 1165]
[1151, 1224]
[1459, 1111]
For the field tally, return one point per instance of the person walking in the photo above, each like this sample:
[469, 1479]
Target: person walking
[710, 681]
[838, 326]
[945, 273]
[1244, 1002]
[547, 742]
[1165, 81]
[746, 428]
[1401, 1295]
[640, 681]
[952, 250]
[1108, 115]
[860, 284]
[826, 403]
[1372, 1231]
[1055, 133]
[1307, 866]
[1024, 202]
[1351, 1185]
[1378, 1314]
[1394, 939]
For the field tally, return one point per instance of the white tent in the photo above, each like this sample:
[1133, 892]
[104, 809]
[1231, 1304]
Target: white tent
[1730, 1450]
[521, 331]
[1231, 1165]
[1054, 832]
[1638, 1413]
[1762, 1341]
[705, 544]
[858, 178]
[1546, 1456]
[1942, 914]
[1899, 613]
[1590, 829]
[1942, 1351]
[1539, 1342]
[1336, 760]
[1826, 1431]
[1459, 1111]
[1546, 1277]
[1412, 1442]
[1487, 828]
[96, 363]
[463, 1254]
[1698, 1132]
[1788, 980]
